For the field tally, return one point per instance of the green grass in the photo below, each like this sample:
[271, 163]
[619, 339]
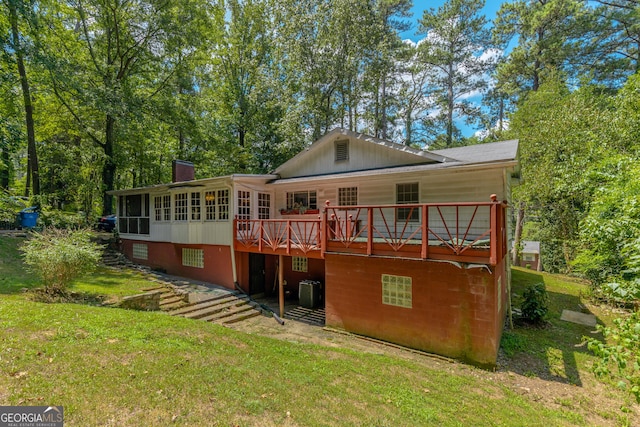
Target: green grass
[110, 366]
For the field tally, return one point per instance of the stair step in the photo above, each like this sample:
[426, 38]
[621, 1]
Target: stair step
[241, 316]
[170, 300]
[212, 310]
[228, 312]
[173, 306]
[153, 288]
[196, 306]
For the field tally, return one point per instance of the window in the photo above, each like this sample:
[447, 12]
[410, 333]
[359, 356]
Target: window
[140, 251]
[195, 206]
[216, 203]
[223, 205]
[180, 206]
[193, 257]
[396, 290]
[244, 204]
[166, 209]
[348, 196]
[264, 205]
[528, 257]
[162, 208]
[342, 150]
[407, 194]
[134, 214]
[300, 264]
[302, 200]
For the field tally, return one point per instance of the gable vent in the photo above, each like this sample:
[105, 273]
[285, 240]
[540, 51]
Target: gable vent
[342, 150]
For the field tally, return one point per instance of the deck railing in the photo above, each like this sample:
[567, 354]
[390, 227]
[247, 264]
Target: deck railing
[463, 232]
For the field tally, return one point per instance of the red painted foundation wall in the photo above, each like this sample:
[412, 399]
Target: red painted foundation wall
[293, 278]
[454, 310]
[168, 257]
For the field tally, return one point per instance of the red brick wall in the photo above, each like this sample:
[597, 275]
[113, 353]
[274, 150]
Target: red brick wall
[168, 256]
[454, 309]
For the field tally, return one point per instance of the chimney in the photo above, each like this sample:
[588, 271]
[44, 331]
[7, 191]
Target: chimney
[182, 171]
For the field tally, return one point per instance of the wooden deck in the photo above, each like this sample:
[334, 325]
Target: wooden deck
[461, 232]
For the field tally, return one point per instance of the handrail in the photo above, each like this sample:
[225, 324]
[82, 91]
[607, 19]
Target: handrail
[462, 231]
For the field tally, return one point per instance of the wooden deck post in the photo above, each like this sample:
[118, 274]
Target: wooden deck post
[424, 253]
[493, 257]
[281, 284]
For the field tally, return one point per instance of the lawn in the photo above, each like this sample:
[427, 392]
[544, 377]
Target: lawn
[109, 366]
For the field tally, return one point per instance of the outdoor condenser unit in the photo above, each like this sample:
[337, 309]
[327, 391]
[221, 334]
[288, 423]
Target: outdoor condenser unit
[309, 293]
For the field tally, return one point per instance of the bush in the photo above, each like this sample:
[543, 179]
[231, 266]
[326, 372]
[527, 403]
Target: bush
[59, 256]
[618, 358]
[535, 303]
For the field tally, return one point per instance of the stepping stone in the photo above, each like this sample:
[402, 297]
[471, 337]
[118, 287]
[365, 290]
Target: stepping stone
[579, 318]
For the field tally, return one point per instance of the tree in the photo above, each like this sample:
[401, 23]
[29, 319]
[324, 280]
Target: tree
[16, 9]
[457, 51]
[117, 57]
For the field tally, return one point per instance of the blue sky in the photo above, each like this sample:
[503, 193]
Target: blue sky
[419, 6]
[490, 9]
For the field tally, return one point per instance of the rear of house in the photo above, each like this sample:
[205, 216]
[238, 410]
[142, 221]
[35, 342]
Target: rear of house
[399, 244]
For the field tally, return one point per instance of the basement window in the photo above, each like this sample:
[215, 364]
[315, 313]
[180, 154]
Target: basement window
[396, 290]
[300, 264]
[140, 251]
[193, 257]
[342, 150]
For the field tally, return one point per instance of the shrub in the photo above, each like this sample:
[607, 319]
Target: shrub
[59, 256]
[535, 303]
[618, 354]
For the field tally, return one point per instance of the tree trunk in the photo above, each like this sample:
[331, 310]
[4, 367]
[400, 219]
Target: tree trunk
[4, 170]
[515, 253]
[383, 109]
[109, 167]
[28, 106]
[450, 107]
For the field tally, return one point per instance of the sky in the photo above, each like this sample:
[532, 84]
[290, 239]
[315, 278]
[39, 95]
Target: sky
[419, 6]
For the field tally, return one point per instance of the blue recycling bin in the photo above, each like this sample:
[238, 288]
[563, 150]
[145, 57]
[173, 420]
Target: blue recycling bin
[28, 217]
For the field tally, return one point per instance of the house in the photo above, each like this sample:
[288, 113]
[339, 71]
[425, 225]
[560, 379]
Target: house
[408, 246]
[530, 255]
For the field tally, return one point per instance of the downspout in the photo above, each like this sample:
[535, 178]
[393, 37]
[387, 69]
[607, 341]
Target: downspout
[507, 193]
[232, 209]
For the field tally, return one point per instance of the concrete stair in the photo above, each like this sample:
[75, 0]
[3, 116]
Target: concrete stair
[223, 309]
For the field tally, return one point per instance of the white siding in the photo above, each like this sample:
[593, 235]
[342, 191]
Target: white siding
[363, 155]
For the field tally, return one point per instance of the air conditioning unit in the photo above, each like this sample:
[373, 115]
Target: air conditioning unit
[309, 293]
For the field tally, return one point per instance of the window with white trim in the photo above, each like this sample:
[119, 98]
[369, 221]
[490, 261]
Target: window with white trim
[264, 205]
[300, 264]
[396, 290]
[216, 203]
[407, 194]
[302, 200]
[181, 206]
[348, 196]
[193, 257]
[195, 206]
[244, 204]
[162, 208]
[528, 257]
[140, 251]
[223, 205]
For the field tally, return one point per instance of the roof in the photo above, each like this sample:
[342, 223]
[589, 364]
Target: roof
[480, 153]
[423, 156]
[501, 154]
[530, 247]
[197, 183]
